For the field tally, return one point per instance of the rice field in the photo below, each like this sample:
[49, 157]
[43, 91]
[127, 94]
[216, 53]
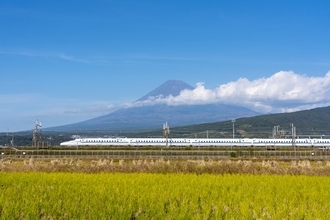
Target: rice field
[70, 195]
[238, 166]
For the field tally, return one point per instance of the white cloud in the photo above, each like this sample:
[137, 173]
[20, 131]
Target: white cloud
[282, 92]
[56, 55]
[29, 105]
[17, 98]
[19, 111]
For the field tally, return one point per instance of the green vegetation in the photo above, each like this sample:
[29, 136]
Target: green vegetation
[314, 122]
[162, 196]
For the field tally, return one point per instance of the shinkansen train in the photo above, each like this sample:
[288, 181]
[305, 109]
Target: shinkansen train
[198, 142]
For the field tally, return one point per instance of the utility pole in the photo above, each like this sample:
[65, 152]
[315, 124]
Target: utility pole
[36, 133]
[166, 132]
[233, 121]
[293, 132]
[12, 140]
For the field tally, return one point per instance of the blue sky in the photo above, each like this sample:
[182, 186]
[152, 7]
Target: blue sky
[68, 61]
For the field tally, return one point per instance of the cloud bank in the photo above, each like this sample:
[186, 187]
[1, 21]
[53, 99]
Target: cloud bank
[285, 91]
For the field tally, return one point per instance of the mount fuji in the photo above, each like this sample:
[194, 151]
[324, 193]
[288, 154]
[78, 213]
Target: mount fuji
[153, 117]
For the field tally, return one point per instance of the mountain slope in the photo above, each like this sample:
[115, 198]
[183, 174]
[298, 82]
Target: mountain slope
[150, 117]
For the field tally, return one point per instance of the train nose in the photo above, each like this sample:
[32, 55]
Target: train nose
[67, 143]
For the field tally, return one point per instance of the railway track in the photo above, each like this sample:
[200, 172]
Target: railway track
[166, 154]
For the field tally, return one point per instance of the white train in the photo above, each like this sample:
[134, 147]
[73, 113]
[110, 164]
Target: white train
[198, 142]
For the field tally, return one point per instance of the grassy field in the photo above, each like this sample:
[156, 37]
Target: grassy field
[39, 195]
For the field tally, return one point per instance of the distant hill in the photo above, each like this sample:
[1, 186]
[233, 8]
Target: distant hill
[151, 117]
[308, 123]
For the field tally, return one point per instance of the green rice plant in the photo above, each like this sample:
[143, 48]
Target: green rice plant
[38, 195]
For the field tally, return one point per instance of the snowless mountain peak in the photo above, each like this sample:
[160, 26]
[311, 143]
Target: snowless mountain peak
[170, 87]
